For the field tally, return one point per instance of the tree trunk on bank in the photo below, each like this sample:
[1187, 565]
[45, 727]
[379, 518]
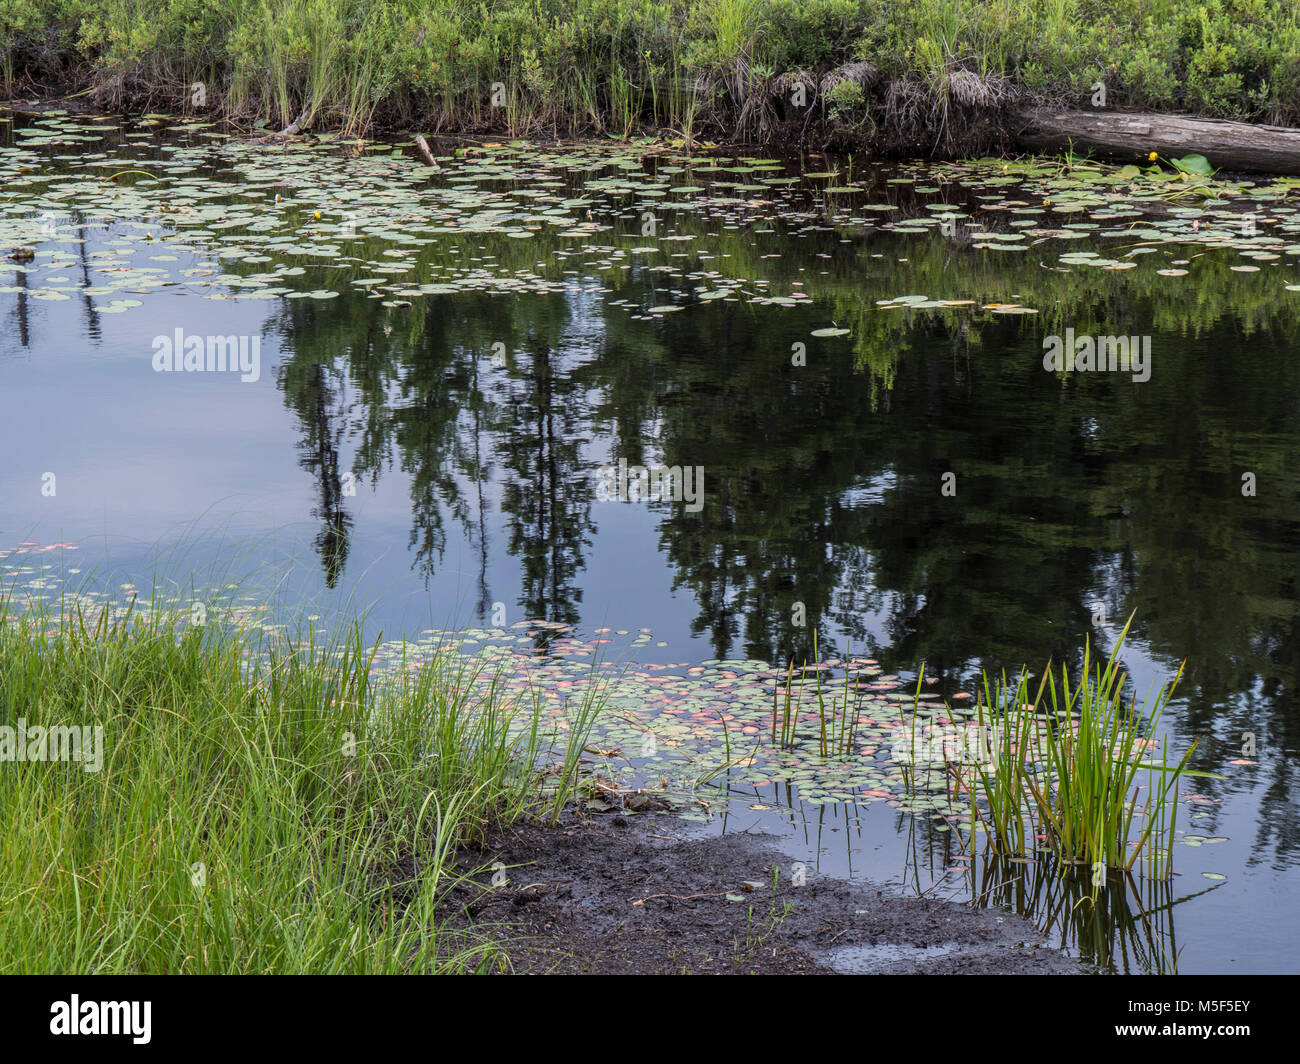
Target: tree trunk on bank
[1131, 138]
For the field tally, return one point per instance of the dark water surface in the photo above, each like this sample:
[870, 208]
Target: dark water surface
[391, 456]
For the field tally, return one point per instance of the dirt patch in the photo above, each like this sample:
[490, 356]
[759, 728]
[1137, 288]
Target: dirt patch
[638, 895]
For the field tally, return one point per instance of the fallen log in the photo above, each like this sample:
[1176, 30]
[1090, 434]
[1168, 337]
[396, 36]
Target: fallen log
[1131, 137]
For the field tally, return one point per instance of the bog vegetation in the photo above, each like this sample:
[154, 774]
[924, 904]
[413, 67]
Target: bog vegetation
[912, 74]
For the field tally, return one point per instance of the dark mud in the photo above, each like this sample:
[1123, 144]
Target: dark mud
[637, 895]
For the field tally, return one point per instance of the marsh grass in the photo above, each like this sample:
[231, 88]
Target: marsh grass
[1067, 770]
[621, 66]
[260, 808]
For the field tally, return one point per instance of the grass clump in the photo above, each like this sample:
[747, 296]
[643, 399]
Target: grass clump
[1060, 772]
[257, 810]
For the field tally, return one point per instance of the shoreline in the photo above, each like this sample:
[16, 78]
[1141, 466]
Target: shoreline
[1013, 133]
[648, 894]
[929, 78]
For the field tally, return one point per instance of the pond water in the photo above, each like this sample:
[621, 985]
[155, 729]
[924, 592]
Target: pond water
[446, 375]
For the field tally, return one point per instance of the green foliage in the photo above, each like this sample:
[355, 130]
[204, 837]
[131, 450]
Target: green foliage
[1192, 164]
[813, 34]
[617, 64]
[847, 102]
[259, 806]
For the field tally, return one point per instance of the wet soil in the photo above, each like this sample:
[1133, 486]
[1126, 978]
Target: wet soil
[645, 895]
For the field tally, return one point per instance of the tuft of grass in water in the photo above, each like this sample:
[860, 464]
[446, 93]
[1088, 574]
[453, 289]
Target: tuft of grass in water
[258, 808]
[837, 723]
[1062, 769]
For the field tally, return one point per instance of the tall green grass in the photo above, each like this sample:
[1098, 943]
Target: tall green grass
[616, 65]
[260, 808]
[1068, 771]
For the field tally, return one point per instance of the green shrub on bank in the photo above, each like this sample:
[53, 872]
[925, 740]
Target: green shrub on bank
[604, 64]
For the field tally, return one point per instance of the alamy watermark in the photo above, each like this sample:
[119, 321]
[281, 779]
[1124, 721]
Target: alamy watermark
[1113, 354]
[77, 1017]
[59, 742]
[179, 353]
[625, 483]
[969, 743]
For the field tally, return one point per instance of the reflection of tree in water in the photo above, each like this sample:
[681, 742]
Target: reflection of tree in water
[407, 385]
[1067, 494]
[428, 400]
[768, 436]
[321, 457]
[823, 490]
[313, 391]
[547, 497]
[20, 308]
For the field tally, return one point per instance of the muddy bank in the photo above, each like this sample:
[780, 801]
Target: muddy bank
[639, 895]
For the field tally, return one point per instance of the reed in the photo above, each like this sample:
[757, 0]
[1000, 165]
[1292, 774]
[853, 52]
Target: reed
[837, 721]
[1062, 768]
